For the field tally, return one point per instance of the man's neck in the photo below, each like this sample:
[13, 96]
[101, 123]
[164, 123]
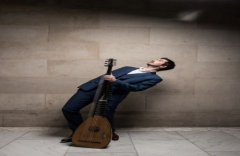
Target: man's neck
[150, 69]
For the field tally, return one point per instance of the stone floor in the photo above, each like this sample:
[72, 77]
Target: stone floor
[187, 141]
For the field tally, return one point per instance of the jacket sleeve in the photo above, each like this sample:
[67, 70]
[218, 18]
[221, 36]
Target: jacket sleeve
[94, 82]
[97, 79]
[137, 87]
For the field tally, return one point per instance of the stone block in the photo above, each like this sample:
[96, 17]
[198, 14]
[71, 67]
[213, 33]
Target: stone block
[5, 8]
[148, 52]
[182, 70]
[24, 17]
[53, 16]
[173, 36]
[153, 119]
[230, 118]
[193, 36]
[22, 102]
[34, 119]
[221, 87]
[23, 68]
[127, 4]
[134, 102]
[215, 25]
[172, 86]
[100, 35]
[82, 17]
[23, 33]
[1, 120]
[217, 118]
[137, 19]
[27, 85]
[48, 50]
[188, 5]
[57, 101]
[225, 19]
[218, 54]
[216, 37]
[173, 119]
[226, 70]
[82, 69]
[8, 8]
[229, 122]
[192, 103]
[207, 118]
[238, 38]
[168, 103]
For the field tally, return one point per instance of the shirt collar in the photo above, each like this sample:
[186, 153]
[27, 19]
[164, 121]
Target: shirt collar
[141, 69]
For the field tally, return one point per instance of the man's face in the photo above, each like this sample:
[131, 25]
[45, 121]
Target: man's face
[157, 62]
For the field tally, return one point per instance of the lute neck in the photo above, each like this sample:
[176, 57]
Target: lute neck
[101, 103]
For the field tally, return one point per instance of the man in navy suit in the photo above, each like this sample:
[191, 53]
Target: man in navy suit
[123, 81]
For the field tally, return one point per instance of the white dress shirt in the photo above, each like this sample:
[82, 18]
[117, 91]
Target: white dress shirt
[138, 71]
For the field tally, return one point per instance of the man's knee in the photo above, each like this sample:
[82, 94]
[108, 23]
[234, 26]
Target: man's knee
[67, 109]
[64, 110]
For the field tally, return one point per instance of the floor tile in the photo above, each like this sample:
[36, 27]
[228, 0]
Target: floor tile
[34, 148]
[101, 154]
[159, 141]
[7, 136]
[213, 140]
[233, 132]
[224, 153]
[167, 148]
[155, 135]
[178, 129]
[142, 129]
[124, 145]
[52, 134]
[25, 128]
[122, 134]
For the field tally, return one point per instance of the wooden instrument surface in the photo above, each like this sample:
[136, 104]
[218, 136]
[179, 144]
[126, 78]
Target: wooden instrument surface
[95, 132]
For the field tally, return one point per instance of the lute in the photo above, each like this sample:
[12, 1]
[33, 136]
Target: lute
[96, 131]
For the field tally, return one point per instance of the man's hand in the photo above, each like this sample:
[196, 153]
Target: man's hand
[110, 78]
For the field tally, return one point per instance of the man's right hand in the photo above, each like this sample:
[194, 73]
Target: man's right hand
[110, 78]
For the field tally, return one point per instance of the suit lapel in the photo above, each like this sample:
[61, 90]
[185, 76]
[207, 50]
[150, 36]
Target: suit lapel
[123, 71]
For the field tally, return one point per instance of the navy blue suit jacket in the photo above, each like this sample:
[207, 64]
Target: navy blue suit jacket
[125, 83]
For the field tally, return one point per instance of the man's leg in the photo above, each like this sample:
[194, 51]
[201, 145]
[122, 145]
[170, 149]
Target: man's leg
[110, 116]
[71, 109]
[110, 111]
[78, 101]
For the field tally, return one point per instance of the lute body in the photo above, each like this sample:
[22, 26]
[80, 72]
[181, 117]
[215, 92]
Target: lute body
[95, 132]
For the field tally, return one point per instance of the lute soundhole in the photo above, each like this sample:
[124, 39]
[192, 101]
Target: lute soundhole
[94, 129]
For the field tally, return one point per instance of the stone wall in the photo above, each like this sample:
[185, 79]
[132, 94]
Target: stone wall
[48, 48]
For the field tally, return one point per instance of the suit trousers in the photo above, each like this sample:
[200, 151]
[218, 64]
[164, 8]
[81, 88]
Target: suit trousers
[79, 100]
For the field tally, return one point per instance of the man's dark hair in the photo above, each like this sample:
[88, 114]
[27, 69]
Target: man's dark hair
[170, 65]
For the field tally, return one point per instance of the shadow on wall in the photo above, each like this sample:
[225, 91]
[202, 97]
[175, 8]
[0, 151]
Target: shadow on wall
[222, 14]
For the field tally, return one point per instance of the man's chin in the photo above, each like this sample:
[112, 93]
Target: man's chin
[149, 64]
